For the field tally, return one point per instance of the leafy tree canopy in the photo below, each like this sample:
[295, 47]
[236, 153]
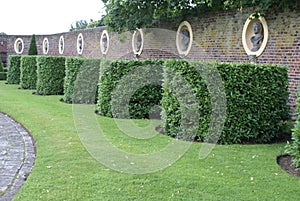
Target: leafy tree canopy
[83, 24]
[122, 15]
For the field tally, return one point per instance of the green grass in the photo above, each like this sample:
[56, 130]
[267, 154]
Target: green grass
[64, 170]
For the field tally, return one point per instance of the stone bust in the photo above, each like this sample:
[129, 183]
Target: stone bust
[185, 40]
[258, 36]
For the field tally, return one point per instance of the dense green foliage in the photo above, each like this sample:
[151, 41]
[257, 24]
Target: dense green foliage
[83, 24]
[2, 73]
[13, 74]
[65, 170]
[293, 147]
[123, 15]
[50, 75]
[32, 48]
[129, 88]
[256, 106]
[28, 76]
[1, 66]
[73, 65]
[80, 84]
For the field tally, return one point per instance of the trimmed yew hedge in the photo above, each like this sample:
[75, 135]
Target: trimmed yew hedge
[129, 88]
[293, 147]
[256, 99]
[50, 75]
[28, 76]
[73, 65]
[13, 74]
[80, 83]
[3, 75]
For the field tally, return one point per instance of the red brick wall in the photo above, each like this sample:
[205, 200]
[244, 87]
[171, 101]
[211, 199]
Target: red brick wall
[217, 36]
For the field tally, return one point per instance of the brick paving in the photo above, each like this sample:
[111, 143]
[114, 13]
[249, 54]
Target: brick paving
[17, 155]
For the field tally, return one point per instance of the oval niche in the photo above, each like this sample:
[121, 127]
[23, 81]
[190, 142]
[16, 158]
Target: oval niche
[255, 35]
[104, 42]
[19, 46]
[184, 38]
[137, 41]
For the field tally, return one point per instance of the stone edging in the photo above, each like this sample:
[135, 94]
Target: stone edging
[27, 162]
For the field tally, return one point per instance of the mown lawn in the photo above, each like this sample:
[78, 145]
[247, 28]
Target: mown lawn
[64, 170]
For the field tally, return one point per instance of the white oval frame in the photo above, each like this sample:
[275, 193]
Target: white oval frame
[80, 36]
[16, 45]
[248, 33]
[61, 44]
[133, 42]
[184, 25]
[46, 46]
[103, 51]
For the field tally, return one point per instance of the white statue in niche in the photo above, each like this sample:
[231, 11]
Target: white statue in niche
[258, 37]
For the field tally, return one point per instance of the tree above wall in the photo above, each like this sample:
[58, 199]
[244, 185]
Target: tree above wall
[83, 24]
[123, 15]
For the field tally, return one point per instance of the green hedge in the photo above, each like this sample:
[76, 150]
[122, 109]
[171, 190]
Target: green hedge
[129, 88]
[80, 84]
[256, 99]
[2, 73]
[50, 75]
[13, 74]
[73, 65]
[293, 147]
[1, 66]
[28, 77]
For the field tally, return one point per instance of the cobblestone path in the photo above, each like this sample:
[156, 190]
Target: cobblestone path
[17, 155]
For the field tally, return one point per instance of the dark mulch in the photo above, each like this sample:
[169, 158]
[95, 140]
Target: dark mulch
[285, 162]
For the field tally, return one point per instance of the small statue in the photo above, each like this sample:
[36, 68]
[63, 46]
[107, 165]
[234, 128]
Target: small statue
[61, 44]
[80, 44]
[258, 37]
[19, 46]
[138, 42]
[46, 46]
[185, 40]
[104, 43]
